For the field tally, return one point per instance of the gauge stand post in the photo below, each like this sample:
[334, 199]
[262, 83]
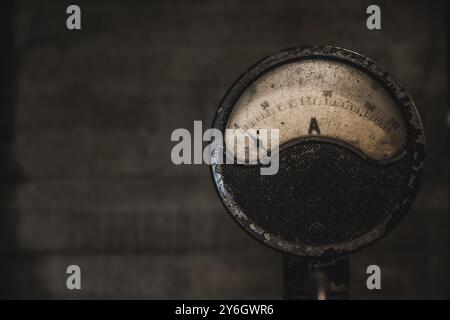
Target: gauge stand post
[315, 279]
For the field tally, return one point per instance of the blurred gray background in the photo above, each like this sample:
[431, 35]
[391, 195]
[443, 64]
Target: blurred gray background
[85, 124]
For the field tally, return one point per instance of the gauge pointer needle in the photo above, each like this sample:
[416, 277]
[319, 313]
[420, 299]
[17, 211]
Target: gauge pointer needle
[256, 140]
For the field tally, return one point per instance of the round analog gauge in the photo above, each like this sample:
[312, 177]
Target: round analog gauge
[351, 151]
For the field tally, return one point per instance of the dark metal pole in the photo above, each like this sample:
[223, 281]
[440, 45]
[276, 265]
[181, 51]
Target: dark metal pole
[315, 279]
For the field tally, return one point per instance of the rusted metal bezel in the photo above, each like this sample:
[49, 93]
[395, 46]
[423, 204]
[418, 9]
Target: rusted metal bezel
[414, 146]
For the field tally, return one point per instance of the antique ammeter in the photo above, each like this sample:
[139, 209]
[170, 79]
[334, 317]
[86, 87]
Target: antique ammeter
[351, 151]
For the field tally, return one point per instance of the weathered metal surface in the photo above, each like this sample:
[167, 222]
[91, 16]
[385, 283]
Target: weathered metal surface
[396, 107]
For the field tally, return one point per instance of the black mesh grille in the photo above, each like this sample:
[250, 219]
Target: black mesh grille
[322, 194]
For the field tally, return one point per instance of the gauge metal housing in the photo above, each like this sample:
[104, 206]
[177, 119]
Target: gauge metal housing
[333, 195]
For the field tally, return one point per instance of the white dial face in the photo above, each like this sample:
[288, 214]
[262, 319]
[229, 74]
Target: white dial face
[326, 98]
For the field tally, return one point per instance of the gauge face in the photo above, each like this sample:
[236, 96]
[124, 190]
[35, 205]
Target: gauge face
[326, 98]
[351, 151]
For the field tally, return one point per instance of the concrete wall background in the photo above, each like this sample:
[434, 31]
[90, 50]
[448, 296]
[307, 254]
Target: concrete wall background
[86, 171]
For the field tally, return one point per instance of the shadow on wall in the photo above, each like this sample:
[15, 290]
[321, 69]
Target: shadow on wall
[10, 174]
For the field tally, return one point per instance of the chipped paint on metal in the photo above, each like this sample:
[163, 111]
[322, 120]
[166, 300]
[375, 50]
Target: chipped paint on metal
[415, 146]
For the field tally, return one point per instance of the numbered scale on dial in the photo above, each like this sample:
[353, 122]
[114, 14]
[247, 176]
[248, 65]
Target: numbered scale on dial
[326, 98]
